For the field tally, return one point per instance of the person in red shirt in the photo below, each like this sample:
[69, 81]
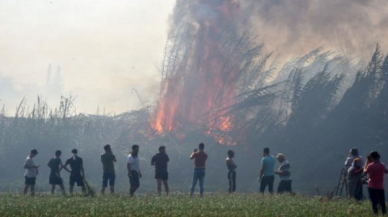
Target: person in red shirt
[376, 171]
[200, 158]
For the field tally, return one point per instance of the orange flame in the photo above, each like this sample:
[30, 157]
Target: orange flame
[203, 83]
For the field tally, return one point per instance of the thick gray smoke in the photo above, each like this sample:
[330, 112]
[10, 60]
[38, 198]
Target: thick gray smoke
[294, 27]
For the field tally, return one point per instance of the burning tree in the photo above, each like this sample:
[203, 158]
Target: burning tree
[210, 61]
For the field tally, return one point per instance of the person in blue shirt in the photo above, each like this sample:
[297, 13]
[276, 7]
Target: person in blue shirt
[267, 175]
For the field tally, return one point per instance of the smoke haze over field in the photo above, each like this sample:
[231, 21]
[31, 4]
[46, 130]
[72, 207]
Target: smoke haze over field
[105, 50]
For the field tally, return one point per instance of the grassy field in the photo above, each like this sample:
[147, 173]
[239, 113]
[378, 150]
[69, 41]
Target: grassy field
[179, 205]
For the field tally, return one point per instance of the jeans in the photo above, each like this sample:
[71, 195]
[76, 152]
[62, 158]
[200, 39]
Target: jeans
[199, 174]
[377, 196]
[232, 181]
[267, 180]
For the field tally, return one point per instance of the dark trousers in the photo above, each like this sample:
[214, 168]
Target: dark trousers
[232, 181]
[267, 180]
[285, 186]
[377, 196]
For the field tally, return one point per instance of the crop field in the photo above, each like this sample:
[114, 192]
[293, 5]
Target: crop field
[179, 205]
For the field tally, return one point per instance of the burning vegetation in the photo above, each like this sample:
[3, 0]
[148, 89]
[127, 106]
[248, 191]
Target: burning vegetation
[206, 61]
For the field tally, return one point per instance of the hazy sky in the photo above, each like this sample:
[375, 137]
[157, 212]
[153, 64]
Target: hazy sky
[104, 48]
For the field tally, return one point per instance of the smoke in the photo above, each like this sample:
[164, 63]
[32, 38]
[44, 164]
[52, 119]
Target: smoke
[350, 27]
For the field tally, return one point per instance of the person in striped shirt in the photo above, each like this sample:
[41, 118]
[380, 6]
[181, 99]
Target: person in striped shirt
[284, 172]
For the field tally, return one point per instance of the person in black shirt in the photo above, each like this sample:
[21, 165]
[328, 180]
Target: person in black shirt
[77, 171]
[108, 159]
[56, 166]
[160, 162]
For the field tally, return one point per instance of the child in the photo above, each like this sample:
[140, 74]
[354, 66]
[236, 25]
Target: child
[231, 171]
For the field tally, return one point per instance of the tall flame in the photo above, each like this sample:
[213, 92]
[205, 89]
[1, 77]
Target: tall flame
[201, 72]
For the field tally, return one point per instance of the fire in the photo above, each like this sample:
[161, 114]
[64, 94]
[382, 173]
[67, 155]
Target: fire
[200, 78]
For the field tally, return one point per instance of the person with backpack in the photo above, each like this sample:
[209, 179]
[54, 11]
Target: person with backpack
[108, 159]
[160, 161]
[77, 172]
[55, 165]
[376, 171]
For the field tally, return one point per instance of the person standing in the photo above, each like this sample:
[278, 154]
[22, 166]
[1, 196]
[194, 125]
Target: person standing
[77, 172]
[133, 167]
[354, 180]
[30, 172]
[376, 171]
[55, 165]
[108, 159]
[267, 176]
[284, 172]
[200, 158]
[231, 171]
[160, 162]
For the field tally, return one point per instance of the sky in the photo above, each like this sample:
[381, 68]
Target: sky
[104, 50]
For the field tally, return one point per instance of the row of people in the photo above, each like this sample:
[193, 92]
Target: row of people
[160, 162]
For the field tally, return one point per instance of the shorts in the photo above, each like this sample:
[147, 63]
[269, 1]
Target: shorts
[134, 180]
[55, 179]
[163, 175]
[76, 179]
[29, 180]
[111, 177]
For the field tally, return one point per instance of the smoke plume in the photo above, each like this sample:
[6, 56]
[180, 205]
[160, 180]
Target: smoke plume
[350, 27]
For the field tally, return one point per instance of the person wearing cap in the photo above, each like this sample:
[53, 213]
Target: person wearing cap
[354, 180]
[284, 172]
[77, 171]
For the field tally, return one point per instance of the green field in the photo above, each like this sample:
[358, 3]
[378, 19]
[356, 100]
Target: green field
[179, 205]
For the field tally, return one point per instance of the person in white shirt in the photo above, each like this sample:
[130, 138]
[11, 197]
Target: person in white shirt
[133, 166]
[30, 172]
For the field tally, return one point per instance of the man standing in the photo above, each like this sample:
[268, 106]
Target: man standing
[108, 160]
[133, 167]
[284, 173]
[267, 172]
[231, 171]
[77, 171]
[55, 165]
[200, 158]
[160, 162]
[30, 172]
[376, 172]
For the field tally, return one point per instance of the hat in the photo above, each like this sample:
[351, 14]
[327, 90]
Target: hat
[280, 155]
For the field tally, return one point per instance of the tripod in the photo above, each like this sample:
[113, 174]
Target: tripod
[342, 183]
